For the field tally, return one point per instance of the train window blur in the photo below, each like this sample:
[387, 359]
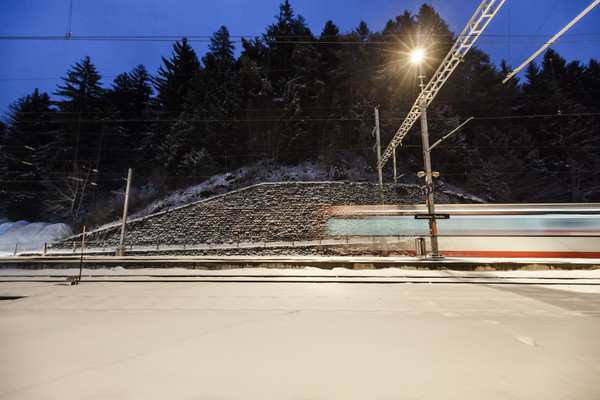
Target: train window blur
[467, 225]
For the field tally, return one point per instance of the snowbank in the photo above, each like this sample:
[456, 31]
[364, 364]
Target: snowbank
[29, 236]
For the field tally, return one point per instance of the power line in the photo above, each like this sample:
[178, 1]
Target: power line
[449, 39]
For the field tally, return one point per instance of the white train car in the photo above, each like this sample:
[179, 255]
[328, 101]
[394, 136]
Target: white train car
[477, 230]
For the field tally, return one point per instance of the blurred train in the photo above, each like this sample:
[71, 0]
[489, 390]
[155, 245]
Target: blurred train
[474, 230]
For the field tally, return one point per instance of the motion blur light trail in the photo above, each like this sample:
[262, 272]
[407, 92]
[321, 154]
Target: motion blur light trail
[509, 230]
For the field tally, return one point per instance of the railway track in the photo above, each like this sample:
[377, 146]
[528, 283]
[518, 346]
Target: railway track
[301, 278]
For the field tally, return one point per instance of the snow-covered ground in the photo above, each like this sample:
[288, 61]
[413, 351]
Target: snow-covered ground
[191, 340]
[29, 236]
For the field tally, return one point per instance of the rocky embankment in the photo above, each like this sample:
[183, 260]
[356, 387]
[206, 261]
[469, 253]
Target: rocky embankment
[268, 212]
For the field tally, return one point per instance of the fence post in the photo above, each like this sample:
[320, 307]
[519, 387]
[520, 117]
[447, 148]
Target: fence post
[74, 245]
[104, 246]
[45, 248]
[157, 244]
[16, 248]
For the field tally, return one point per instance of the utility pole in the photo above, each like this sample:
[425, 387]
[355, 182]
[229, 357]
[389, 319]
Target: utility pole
[121, 249]
[429, 182]
[483, 15]
[427, 162]
[379, 166]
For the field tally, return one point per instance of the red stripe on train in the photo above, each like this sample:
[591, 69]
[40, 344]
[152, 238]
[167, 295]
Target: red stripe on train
[522, 254]
[479, 254]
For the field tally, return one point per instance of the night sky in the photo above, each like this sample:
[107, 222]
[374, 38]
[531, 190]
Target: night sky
[46, 55]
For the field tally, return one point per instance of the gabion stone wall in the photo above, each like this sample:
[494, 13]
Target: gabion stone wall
[270, 212]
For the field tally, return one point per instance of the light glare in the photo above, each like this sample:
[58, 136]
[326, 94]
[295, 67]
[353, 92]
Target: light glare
[417, 55]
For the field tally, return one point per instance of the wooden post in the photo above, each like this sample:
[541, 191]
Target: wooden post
[124, 224]
[81, 260]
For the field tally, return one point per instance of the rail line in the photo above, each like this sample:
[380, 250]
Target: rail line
[355, 279]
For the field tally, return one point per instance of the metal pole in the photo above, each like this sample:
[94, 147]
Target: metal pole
[121, 244]
[81, 260]
[428, 174]
[395, 174]
[379, 166]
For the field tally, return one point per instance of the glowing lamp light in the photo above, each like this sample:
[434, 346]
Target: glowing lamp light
[417, 55]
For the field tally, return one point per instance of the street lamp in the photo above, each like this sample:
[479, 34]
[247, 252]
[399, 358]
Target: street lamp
[417, 57]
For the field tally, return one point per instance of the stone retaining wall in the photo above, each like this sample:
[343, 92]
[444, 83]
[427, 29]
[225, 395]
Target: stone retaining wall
[268, 212]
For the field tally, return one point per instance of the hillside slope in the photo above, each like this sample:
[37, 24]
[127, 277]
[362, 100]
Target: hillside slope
[267, 212]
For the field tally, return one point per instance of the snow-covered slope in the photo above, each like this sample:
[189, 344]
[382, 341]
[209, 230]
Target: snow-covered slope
[28, 236]
[354, 169]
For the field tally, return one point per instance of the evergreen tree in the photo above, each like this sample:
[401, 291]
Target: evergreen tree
[27, 142]
[357, 90]
[282, 38]
[223, 138]
[254, 50]
[80, 140]
[175, 77]
[130, 100]
[221, 48]
[261, 111]
[173, 86]
[80, 109]
[562, 135]
[329, 44]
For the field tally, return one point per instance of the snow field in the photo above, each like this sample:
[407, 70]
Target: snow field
[297, 341]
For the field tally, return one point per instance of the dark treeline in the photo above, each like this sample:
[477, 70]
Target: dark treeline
[290, 96]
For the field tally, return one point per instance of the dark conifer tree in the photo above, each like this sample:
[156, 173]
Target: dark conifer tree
[255, 50]
[282, 38]
[223, 137]
[129, 120]
[27, 143]
[83, 127]
[173, 84]
[329, 44]
[260, 118]
[175, 77]
[81, 109]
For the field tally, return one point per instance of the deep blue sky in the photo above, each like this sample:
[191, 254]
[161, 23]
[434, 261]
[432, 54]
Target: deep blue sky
[27, 64]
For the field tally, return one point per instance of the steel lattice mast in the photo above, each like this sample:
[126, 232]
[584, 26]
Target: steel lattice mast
[486, 11]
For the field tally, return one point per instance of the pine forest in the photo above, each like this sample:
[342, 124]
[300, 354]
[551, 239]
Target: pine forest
[294, 95]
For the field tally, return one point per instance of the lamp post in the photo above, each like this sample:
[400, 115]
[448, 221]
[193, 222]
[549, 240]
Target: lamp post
[417, 57]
